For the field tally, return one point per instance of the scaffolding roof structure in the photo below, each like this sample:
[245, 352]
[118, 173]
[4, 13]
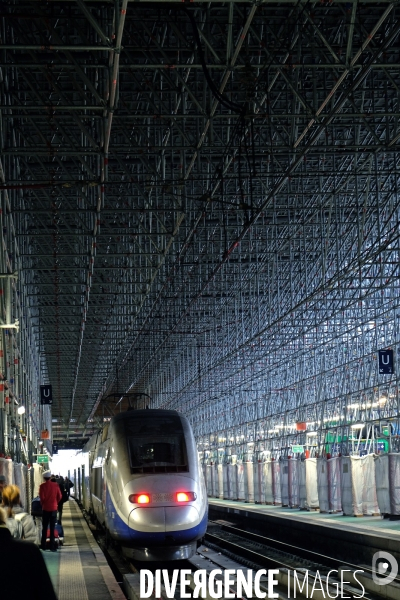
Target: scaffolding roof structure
[201, 203]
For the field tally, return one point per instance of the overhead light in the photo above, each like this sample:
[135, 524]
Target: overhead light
[358, 425]
[312, 433]
[21, 410]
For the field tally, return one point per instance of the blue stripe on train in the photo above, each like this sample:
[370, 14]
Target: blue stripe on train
[120, 530]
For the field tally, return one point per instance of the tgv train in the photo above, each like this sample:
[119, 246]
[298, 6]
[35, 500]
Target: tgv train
[144, 484]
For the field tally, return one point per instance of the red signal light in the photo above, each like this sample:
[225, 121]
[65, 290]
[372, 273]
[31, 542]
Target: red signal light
[186, 496]
[139, 498]
[143, 499]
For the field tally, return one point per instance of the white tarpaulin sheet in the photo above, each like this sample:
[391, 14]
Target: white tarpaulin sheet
[394, 483]
[2, 466]
[30, 484]
[37, 479]
[357, 485]
[214, 471]
[248, 482]
[311, 483]
[293, 481]
[232, 478]
[276, 482]
[9, 471]
[209, 480]
[215, 481]
[382, 482]
[17, 474]
[322, 483]
[258, 482]
[220, 481]
[240, 481]
[19, 478]
[268, 483]
[284, 464]
[302, 484]
[335, 492]
[25, 491]
[346, 486]
[365, 501]
[225, 479]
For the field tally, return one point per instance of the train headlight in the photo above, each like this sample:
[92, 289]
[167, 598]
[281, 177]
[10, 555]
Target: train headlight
[139, 498]
[185, 496]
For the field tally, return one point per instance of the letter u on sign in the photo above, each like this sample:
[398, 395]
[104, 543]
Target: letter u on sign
[46, 394]
[386, 365]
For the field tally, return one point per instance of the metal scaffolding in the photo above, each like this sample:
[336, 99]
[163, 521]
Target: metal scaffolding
[200, 201]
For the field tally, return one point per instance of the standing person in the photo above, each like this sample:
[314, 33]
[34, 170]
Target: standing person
[50, 496]
[30, 581]
[15, 512]
[64, 497]
[68, 485]
[2, 484]
[15, 527]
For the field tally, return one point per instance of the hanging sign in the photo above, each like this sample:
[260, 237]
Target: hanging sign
[45, 435]
[297, 449]
[46, 394]
[386, 362]
[42, 458]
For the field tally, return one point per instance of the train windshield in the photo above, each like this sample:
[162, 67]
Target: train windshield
[156, 444]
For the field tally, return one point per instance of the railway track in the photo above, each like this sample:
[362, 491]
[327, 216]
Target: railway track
[284, 549]
[230, 548]
[258, 551]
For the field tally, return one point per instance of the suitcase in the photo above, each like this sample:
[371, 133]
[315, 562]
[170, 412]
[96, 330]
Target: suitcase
[56, 538]
[36, 507]
[59, 528]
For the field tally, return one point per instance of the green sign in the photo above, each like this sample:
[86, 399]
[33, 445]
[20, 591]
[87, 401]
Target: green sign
[297, 449]
[43, 458]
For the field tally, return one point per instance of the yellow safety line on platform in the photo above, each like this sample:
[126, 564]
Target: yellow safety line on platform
[72, 581]
[108, 576]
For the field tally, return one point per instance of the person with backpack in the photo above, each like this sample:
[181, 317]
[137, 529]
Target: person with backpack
[23, 570]
[17, 516]
[64, 497]
[68, 485]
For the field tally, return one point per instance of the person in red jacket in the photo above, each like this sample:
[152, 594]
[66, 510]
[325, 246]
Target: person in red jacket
[50, 495]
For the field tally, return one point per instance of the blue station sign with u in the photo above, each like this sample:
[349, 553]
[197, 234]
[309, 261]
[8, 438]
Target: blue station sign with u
[46, 394]
[386, 362]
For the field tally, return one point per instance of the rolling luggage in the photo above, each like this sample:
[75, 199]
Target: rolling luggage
[56, 538]
[59, 528]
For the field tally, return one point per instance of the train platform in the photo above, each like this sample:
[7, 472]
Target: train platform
[79, 570]
[321, 531]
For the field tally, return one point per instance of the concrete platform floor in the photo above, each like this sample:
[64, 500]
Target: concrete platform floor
[338, 521]
[79, 569]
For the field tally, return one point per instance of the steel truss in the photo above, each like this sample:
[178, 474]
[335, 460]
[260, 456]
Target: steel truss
[201, 204]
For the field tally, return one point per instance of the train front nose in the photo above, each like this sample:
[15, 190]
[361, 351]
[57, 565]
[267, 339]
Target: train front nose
[163, 523]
